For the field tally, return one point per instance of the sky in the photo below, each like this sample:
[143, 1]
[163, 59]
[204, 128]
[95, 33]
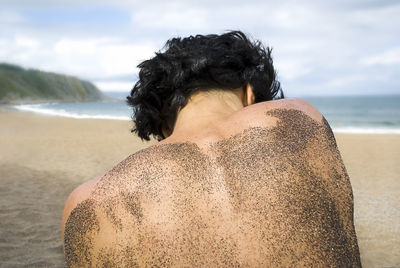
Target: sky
[319, 47]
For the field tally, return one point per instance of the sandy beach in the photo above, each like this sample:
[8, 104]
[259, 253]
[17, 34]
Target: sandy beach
[44, 158]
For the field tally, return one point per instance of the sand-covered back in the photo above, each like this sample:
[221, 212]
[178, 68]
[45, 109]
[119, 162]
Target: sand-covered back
[42, 159]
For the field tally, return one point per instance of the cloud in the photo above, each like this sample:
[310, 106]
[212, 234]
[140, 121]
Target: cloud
[87, 58]
[114, 86]
[190, 19]
[292, 70]
[389, 57]
[10, 17]
[106, 58]
[318, 46]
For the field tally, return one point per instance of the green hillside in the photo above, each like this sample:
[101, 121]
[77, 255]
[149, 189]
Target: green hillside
[19, 85]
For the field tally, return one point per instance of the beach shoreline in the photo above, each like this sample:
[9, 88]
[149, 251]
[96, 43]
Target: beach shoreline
[43, 158]
[345, 114]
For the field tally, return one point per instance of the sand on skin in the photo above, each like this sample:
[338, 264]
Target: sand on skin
[44, 158]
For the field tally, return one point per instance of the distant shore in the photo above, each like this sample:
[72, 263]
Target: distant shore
[43, 158]
[20, 85]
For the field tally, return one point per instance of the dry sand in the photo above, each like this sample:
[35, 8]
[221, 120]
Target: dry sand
[42, 159]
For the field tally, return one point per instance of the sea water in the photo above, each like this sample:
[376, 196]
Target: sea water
[360, 114]
[349, 114]
[116, 109]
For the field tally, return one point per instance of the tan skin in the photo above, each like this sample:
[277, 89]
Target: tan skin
[199, 107]
[157, 210]
[209, 108]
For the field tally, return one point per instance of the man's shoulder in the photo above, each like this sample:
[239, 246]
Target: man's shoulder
[296, 104]
[77, 196]
[267, 114]
[122, 178]
[127, 174]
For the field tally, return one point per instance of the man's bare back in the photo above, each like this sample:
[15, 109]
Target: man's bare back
[266, 188]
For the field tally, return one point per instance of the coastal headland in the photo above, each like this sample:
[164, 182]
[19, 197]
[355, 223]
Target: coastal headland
[19, 85]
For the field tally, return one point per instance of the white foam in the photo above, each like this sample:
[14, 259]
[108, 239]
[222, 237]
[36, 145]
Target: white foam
[366, 130]
[38, 108]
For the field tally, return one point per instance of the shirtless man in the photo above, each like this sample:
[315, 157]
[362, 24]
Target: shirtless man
[240, 178]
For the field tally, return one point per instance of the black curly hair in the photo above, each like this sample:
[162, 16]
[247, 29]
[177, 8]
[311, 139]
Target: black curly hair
[195, 63]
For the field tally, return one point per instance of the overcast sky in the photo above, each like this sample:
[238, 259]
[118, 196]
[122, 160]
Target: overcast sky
[319, 47]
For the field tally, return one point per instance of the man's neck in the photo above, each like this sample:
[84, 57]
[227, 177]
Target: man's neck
[206, 109]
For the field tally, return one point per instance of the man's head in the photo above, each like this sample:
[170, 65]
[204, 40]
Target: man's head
[198, 63]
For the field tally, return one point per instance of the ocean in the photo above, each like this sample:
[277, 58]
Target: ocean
[346, 114]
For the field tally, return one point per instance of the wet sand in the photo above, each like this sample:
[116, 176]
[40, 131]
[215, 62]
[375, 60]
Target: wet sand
[44, 158]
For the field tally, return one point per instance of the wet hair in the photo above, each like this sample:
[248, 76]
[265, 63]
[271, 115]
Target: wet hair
[198, 63]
